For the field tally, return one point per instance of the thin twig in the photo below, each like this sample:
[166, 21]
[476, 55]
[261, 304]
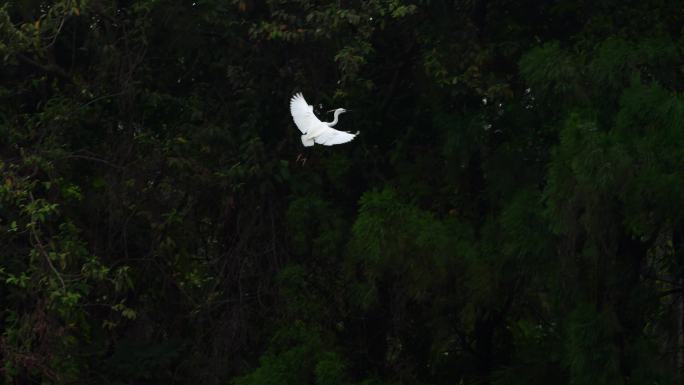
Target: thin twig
[47, 258]
[94, 159]
[51, 69]
[59, 29]
[44, 252]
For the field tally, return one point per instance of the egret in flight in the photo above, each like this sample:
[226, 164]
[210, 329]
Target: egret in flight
[313, 130]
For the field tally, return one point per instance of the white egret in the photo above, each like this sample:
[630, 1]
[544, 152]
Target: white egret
[313, 130]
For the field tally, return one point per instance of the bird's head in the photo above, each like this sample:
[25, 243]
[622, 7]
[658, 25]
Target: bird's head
[338, 111]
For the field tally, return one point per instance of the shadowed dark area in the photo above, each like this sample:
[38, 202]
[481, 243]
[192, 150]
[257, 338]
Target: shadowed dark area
[511, 213]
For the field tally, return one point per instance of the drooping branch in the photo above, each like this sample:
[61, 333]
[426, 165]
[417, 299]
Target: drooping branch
[50, 69]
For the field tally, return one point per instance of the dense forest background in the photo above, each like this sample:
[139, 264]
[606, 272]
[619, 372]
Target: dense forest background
[512, 212]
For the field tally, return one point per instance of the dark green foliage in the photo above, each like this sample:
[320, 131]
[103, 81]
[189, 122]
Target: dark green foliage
[512, 212]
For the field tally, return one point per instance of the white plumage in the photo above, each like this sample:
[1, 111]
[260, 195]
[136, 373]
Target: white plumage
[313, 130]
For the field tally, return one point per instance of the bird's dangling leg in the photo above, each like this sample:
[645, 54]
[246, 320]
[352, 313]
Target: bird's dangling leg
[302, 158]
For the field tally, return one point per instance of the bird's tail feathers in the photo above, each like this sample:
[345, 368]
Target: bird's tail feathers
[306, 141]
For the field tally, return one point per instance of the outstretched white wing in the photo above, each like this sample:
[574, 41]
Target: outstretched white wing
[303, 114]
[331, 136]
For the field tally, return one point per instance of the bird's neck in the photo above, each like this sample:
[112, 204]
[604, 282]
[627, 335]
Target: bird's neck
[334, 122]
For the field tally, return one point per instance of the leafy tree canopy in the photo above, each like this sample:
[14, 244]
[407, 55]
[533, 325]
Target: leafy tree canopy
[512, 212]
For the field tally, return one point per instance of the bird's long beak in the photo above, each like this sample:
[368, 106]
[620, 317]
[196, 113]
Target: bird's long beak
[331, 110]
